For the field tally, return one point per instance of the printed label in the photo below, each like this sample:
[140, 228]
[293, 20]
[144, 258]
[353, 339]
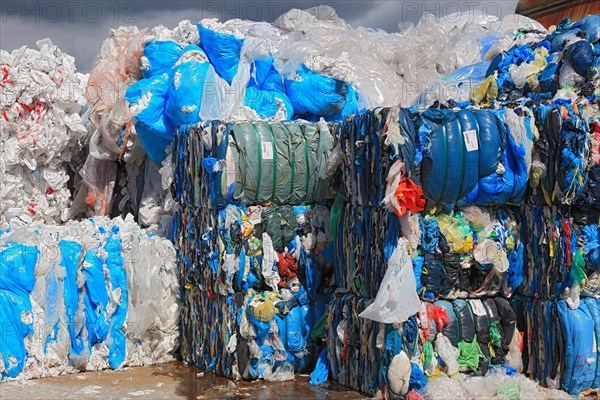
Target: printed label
[267, 150]
[471, 140]
[477, 307]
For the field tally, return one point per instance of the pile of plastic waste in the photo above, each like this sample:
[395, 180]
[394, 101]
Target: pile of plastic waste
[86, 296]
[41, 131]
[308, 64]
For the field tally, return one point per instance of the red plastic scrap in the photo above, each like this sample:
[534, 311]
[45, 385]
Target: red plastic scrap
[410, 197]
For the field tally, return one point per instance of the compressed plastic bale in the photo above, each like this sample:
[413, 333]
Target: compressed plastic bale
[42, 131]
[184, 96]
[580, 352]
[312, 93]
[82, 323]
[159, 57]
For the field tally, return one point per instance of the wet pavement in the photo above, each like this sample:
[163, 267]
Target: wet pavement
[167, 381]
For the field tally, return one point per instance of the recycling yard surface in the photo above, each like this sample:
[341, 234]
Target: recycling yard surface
[167, 381]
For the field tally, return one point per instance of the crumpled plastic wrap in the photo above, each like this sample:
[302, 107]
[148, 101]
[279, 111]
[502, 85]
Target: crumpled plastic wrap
[103, 294]
[41, 103]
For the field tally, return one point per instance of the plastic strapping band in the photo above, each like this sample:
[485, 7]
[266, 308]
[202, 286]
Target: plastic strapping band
[462, 156]
[259, 177]
[307, 161]
[293, 158]
[274, 162]
[445, 162]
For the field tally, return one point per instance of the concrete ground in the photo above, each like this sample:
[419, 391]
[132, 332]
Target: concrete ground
[166, 381]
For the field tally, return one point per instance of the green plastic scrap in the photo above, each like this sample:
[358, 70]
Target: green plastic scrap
[334, 218]
[469, 354]
[577, 268]
[495, 337]
[319, 330]
[510, 391]
[428, 353]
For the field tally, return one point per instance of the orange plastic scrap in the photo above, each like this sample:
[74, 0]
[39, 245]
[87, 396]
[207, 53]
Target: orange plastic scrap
[91, 198]
[410, 197]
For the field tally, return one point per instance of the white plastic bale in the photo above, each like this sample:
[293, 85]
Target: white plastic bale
[41, 99]
[151, 326]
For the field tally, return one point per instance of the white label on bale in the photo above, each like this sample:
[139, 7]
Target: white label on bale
[471, 140]
[267, 150]
[477, 307]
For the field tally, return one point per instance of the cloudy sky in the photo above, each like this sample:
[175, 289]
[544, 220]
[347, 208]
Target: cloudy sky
[79, 27]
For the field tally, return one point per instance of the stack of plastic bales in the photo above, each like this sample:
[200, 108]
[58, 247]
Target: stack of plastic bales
[308, 64]
[85, 296]
[40, 131]
[253, 246]
[389, 251]
[548, 165]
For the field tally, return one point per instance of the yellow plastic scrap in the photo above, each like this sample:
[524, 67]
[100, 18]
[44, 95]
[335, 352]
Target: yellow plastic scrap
[457, 233]
[262, 307]
[486, 90]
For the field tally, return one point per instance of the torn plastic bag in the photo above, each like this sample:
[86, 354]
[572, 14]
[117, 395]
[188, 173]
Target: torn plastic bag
[159, 57]
[397, 298]
[223, 51]
[267, 103]
[312, 93]
[580, 350]
[185, 92]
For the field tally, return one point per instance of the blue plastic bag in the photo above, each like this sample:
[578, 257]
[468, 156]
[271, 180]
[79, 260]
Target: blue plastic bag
[581, 56]
[160, 57]
[313, 93]
[184, 96]
[153, 114]
[223, 51]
